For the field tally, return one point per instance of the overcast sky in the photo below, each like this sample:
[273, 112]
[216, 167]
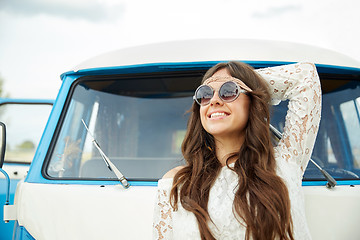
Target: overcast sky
[40, 39]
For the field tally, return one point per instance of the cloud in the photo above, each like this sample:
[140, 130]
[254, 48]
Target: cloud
[93, 11]
[277, 11]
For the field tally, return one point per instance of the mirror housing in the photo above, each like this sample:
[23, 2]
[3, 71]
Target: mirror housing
[2, 143]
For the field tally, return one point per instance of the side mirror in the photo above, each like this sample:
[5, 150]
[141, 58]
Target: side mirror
[2, 143]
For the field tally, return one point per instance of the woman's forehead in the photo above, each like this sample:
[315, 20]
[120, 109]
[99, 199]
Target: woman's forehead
[217, 81]
[216, 84]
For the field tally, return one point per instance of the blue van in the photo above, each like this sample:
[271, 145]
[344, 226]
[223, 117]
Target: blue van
[133, 102]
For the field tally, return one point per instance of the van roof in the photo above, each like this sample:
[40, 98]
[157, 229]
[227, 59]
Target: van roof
[218, 50]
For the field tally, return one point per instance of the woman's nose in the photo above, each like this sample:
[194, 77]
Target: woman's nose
[216, 100]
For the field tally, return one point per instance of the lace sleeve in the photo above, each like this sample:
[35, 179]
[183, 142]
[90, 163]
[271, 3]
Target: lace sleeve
[162, 224]
[301, 85]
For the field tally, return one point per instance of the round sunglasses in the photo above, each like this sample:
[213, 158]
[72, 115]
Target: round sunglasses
[228, 92]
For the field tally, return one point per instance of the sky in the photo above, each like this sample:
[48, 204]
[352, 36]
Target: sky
[40, 39]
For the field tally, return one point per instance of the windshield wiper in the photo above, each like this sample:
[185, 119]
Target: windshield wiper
[331, 181]
[107, 161]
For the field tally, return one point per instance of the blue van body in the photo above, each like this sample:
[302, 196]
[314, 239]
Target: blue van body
[65, 167]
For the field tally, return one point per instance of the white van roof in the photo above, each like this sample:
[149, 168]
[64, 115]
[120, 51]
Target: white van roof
[218, 50]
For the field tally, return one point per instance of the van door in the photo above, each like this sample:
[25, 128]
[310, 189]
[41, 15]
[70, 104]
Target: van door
[25, 120]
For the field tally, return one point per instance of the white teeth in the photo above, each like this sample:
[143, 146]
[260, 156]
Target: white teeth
[217, 114]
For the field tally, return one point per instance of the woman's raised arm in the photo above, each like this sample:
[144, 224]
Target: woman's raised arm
[300, 84]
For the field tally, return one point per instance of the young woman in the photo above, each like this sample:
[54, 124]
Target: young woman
[235, 184]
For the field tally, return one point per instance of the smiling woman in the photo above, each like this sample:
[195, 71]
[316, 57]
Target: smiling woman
[230, 162]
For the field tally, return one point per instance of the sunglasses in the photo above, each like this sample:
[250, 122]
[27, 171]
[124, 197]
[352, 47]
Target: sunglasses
[228, 92]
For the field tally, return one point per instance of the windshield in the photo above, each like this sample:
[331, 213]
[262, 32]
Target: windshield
[140, 123]
[337, 147]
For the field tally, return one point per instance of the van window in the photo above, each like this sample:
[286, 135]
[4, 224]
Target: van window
[350, 111]
[336, 147]
[139, 122]
[25, 123]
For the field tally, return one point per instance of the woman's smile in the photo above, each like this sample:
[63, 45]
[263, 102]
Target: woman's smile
[215, 115]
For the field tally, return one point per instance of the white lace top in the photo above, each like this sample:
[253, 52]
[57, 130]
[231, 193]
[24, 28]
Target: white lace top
[300, 84]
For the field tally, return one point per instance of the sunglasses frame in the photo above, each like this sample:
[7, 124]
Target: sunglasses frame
[238, 87]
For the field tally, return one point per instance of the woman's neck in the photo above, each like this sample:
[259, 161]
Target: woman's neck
[227, 146]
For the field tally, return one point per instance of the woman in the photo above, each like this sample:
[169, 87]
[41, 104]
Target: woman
[235, 184]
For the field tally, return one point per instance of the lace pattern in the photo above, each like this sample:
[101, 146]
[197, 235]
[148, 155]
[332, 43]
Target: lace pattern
[163, 211]
[300, 84]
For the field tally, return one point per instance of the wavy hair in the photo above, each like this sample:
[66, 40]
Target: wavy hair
[262, 199]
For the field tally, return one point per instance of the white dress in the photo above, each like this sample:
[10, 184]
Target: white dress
[300, 84]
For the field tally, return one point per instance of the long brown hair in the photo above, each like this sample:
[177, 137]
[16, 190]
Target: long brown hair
[262, 199]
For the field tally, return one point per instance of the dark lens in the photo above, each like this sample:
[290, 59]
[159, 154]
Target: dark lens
[204, 95]
[229, 91]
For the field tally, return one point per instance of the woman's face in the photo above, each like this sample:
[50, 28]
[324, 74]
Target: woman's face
[222, 119]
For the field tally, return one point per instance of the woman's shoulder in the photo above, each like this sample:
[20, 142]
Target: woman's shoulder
[171, 173]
